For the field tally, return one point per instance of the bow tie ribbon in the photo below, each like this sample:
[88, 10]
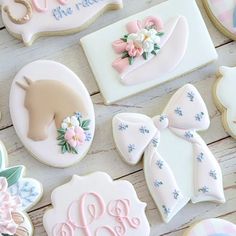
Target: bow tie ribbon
[137, 134]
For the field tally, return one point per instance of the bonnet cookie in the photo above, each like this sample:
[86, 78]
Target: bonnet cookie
[212, 227]
[223, 14]
[108, 207]
[18, 194]
[170, 142]
[30, 19]
[52, 113]
[224, 96]
[148, 49]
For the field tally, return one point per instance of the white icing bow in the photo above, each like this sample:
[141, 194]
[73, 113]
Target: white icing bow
[137, 134]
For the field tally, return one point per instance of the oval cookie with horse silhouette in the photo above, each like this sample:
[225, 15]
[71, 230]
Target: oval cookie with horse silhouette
[52, 113]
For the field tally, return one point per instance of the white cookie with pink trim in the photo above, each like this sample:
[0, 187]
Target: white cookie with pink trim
[148, 49]
[212, 227]
[30, 19]
[96, 205]
[178, 165]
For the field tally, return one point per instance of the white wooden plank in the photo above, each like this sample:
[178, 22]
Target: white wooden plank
[224, 151]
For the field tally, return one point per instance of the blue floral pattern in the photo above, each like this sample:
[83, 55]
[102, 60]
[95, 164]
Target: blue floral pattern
[176, 194]
[200, 157]
[188, 135]
[155, 142]
[179, 111]
[131, 147]
[162, 118]
[160, 164]
[213, 174]
[123, 126]
[199, 116]
[183, 116]
[191, 96]
[26, 191]
[166, 210]
[157, 183]
[204, 189]
[144, 130]
[88, 136]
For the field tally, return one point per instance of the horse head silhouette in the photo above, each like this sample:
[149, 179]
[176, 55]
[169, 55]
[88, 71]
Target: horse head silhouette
[48, 100]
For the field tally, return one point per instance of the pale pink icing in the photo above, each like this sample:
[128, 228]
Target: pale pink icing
[8, 205]
[137, 134]
[117, 209]
[75, 136]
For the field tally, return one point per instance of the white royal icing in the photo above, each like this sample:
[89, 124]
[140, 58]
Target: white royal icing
[96, 205]
[48, 150]
[53, 17]
[225, 94]
[170, 143]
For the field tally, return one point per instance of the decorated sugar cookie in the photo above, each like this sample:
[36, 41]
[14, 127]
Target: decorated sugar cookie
[212, 227]
[18, 194]
[223, 15]
[224, 97]
[148, 49]
[96, 205]
[30, 19]
[52, 113]
[175, 156]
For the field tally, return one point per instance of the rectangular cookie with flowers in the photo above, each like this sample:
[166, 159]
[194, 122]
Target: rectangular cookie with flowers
[148, 48]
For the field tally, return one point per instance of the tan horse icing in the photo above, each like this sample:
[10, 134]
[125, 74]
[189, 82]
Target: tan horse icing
[48, 100]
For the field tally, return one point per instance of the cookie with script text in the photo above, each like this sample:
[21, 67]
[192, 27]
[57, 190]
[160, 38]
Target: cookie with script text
[30, 19]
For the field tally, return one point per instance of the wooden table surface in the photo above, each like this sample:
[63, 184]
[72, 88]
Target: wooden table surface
[103, 155]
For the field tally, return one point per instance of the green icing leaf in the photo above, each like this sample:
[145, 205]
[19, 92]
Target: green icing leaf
[145, 55]
[124, 55]
[156, 47]
[85, 123]
[154, 53]
[131, 60]
[12, 174]
[160, 34]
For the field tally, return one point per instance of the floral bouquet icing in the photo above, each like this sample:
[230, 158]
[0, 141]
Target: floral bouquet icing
[161, 46]
[73, 133]
[17, 194]
[143, 40]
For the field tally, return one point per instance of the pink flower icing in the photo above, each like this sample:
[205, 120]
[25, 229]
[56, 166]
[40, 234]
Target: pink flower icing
[8, 205]
[141, 35]
[133, 50]
[75, 136]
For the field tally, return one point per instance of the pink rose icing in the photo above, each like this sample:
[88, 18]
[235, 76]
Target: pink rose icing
[75, 136]
[8, 205]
